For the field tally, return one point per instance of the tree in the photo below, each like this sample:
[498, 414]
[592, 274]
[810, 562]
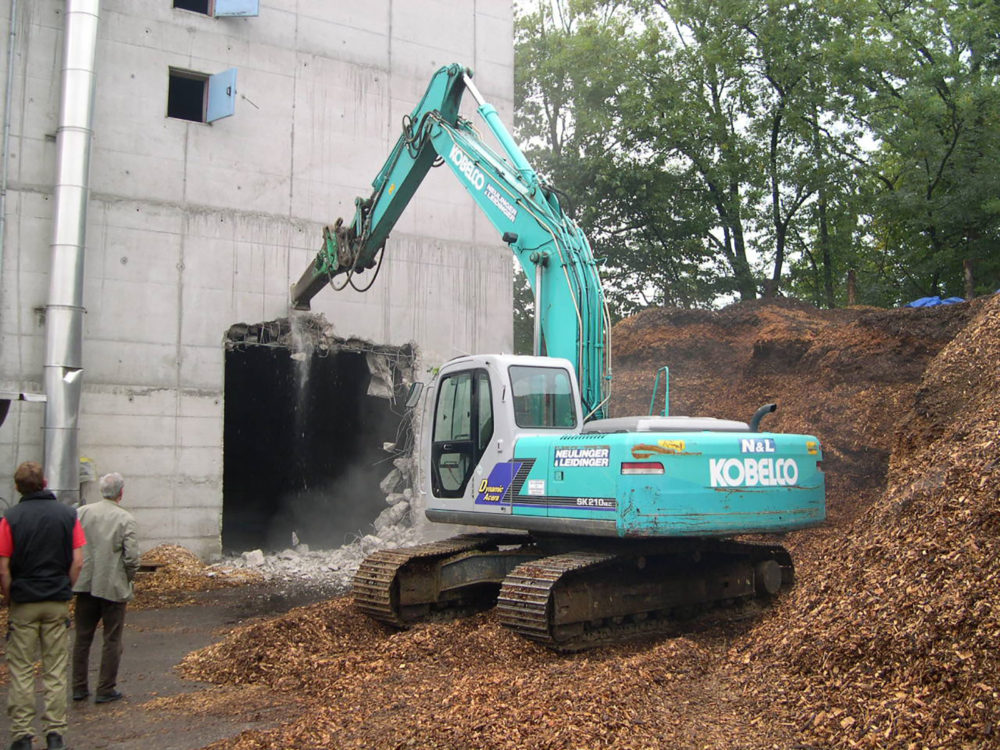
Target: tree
[930, 94]
[743, 94]
[720, 148]
[645, 223]
[683, 106]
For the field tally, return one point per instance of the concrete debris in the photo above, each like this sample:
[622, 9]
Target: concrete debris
[405, 465]
[401, 477]
[380, 384]
[254, 558]
[391, 482]
[334, 569]
[391, 516]
[394, 498]
[370, 543]
[331, 569]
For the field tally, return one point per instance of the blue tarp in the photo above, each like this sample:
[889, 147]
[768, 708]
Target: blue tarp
[933, 301]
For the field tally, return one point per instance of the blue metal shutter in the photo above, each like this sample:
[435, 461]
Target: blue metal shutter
[221, 95]
[237, 8]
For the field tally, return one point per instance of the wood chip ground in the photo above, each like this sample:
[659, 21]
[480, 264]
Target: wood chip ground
[889, 640]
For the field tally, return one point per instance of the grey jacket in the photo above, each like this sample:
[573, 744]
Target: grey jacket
[111, 555]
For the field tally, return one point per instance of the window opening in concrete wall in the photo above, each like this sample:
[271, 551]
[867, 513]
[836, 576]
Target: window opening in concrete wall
[221, 8]
[198, 6]
[312, 427]
[186, 95]
[199, 97]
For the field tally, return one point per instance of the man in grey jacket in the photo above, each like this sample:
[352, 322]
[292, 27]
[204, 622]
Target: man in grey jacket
[110, 562]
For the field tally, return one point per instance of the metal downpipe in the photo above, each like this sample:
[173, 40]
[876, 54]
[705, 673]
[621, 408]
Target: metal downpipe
[8, 89]
[64, 312]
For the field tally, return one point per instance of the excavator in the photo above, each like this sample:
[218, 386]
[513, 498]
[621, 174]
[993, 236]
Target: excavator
[596, 528]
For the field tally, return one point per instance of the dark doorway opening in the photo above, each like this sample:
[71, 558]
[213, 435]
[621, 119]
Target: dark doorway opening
[303, 441]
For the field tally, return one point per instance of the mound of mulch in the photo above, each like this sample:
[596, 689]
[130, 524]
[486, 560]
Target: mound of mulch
[846, 376]
[472, 683]
[895, 643]
[169, 574]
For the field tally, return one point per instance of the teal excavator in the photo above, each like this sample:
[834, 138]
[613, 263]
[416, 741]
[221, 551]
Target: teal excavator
[598, 528]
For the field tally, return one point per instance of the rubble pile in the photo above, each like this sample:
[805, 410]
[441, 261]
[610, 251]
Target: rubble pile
[894, 643]
[399, 525]
[328, 569]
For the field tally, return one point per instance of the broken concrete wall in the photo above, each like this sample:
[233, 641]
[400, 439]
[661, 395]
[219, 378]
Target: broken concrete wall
[192, 227]
[316, 435]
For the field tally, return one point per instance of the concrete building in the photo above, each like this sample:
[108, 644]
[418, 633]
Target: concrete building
[195, 231]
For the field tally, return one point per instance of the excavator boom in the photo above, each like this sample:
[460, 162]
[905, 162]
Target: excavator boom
[570, 308]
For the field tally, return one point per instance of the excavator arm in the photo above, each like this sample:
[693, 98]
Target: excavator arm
[571, 314]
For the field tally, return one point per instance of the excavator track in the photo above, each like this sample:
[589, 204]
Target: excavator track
[400, 586]
[579, 600]
[524, 601]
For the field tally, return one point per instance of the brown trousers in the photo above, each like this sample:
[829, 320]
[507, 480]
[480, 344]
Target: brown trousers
[89, 611]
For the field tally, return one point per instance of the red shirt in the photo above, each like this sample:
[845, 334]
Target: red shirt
[7, 541]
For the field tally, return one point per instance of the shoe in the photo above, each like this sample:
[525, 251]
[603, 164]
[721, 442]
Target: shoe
[54, 741]
[81, 695]
[109, 697]
[21, 743]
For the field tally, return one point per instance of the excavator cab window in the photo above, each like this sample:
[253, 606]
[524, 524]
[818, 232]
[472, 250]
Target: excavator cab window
[543, 397]
[463, 425]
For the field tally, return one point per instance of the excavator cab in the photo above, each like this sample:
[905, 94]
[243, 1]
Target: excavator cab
[481, 406]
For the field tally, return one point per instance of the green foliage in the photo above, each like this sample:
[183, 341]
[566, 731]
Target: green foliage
[720, 148]
[931, 97]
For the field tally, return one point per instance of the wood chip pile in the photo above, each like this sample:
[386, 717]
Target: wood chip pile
[471, 684]
[889, 640]
[896, 642]
[177, 572]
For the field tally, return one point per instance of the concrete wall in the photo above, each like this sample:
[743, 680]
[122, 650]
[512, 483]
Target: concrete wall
[193, 227]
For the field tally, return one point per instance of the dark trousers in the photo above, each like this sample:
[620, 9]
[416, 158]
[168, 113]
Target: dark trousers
[89, 611]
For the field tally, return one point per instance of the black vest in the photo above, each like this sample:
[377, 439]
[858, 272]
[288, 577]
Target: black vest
[42, 530]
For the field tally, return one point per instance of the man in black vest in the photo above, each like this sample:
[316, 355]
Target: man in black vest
[41, 555]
